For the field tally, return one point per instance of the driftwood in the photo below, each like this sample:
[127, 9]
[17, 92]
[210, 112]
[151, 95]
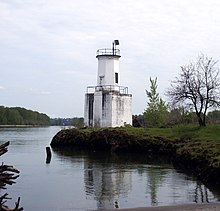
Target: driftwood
[3, 148]
[7, 176]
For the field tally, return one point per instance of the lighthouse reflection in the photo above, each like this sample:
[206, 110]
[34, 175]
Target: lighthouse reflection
[130, 180]
[106, 183]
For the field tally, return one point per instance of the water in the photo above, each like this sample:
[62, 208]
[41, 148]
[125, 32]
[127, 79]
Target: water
[80, 180]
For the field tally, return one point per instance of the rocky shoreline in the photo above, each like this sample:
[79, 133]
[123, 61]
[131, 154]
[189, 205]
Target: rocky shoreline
[190, 156]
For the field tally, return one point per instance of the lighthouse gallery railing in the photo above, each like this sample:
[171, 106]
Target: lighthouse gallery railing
[108, 88]
[108, 51]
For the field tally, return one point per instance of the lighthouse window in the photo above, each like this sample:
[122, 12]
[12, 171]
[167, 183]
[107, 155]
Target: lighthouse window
[116, 77]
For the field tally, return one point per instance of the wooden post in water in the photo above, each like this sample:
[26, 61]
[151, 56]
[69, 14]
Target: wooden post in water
[49, 155]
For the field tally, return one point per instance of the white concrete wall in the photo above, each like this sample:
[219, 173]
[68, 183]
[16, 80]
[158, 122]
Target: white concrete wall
[110, 110]
[86, 111]
[97, 109]
[107, 67]
[121, 110]
[102, 110]
[88, 118]
[106, 110]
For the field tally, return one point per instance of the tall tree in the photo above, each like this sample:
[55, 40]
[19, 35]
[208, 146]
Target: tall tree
[156, 111]
[198, 85]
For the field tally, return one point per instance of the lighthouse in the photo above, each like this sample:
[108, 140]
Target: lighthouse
[108, 104]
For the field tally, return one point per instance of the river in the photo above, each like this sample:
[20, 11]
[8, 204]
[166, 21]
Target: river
[80, 180]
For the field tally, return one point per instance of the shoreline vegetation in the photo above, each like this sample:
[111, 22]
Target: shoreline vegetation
[22, 126]
[192, 149]
[22, 116]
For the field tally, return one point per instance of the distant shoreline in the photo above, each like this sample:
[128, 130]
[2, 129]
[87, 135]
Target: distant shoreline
[11, 126]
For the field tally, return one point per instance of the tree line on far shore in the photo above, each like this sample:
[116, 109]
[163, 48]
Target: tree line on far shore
[22, 116]
[76, 121]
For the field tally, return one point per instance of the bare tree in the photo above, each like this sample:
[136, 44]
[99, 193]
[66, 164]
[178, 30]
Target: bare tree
[198, 85]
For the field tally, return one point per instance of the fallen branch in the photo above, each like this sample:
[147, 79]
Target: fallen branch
[7, 177]
[3, 148]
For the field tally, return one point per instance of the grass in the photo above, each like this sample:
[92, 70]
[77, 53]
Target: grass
[183, 132]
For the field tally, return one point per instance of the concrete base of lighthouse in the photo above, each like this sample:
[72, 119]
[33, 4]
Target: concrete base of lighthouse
[105, 108]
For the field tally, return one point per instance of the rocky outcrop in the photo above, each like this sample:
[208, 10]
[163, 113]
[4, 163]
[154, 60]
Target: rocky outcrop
[111, 139]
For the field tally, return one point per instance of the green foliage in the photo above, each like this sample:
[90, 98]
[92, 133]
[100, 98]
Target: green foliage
[181, 115]
[214, 116]
[22, 116]
[137, 120]
[156, 111]
[76, 122]
[61, 121]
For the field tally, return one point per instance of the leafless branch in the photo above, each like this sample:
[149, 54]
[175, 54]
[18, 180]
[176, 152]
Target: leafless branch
[199, 85]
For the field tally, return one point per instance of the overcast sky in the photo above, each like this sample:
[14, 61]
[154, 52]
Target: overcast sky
[48, 47]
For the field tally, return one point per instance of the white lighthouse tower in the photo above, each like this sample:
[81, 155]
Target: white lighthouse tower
[108, 104]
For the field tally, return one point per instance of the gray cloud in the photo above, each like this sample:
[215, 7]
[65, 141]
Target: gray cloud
[51, 45]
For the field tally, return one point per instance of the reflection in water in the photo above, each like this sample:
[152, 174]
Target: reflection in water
[154, 179]
[106, 183]
[201, 194]
[114, 181]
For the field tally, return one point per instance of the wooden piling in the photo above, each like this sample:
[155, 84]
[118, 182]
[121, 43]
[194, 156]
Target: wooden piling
[49, 155]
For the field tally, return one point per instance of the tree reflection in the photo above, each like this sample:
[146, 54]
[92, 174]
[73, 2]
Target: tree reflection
[154, 179]
[201, 194]
[155, 176]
